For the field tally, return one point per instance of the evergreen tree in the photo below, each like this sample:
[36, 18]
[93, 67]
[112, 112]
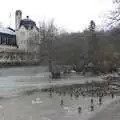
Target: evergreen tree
[92, 26]
[92, 44]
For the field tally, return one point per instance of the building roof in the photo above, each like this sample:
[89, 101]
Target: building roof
[27, 23]
[7, 31]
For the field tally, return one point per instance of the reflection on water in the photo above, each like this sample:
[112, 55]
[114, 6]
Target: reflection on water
[15, 80]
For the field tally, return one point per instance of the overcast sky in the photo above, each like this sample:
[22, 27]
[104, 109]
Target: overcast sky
[72, 15]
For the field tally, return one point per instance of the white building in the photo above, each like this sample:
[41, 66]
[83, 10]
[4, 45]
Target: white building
[27, 33]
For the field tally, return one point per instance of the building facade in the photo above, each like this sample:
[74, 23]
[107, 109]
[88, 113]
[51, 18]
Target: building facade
[27, 33]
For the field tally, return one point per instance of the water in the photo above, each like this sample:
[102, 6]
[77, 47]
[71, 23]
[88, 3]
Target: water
[15, 80]
[33, 103]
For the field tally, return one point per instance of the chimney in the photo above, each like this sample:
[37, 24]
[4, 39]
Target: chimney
[18, 17]
[27, 17]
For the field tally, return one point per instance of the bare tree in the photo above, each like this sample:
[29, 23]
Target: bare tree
[48, 33]
[114, 16]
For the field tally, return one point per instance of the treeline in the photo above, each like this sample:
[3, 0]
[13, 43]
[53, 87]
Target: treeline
[99, 48]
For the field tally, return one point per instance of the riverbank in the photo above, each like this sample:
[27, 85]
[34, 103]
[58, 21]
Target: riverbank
[18, 64]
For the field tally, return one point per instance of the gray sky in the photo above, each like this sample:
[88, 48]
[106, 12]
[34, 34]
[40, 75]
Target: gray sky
[72, 15]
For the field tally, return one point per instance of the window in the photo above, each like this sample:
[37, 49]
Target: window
[0, 39]
[3, 39]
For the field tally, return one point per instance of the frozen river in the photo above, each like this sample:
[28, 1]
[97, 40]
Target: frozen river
[16, 80]
[21, 97]
[12, 80]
